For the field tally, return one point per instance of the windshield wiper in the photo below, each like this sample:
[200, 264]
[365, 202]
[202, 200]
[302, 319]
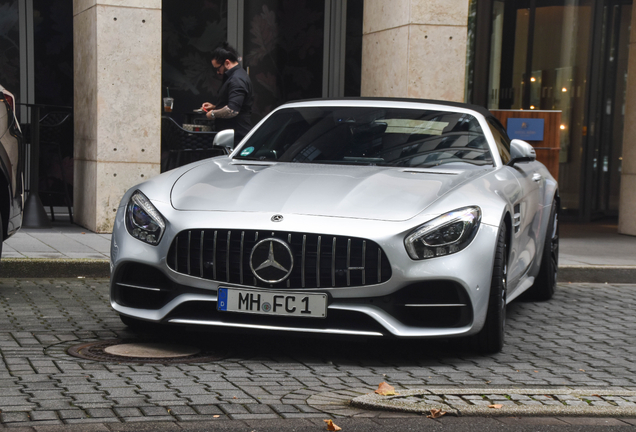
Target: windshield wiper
[363, 160]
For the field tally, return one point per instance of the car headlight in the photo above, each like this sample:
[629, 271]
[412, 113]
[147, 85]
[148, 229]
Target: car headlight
[143, 220]
[444, 235]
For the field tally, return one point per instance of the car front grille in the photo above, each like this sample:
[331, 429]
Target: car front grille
[320, 260]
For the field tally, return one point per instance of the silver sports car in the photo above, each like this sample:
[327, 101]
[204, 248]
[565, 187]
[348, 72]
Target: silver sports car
[369, 217]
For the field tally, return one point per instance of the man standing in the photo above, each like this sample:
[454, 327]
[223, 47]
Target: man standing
[234, 106]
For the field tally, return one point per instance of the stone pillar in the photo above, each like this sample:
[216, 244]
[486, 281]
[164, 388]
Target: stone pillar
[627, 203]
[117, 102]
[415, 48]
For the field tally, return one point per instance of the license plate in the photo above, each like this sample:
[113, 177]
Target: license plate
[272, 302]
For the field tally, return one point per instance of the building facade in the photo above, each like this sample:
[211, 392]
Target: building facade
[567, 55]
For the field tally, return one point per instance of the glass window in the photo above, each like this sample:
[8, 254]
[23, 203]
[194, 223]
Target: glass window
[53, 51]
[369, 136]
[353, 57]
[283, 51]
[189, 35]
[470, 51]
[10, 47]
[501, 139]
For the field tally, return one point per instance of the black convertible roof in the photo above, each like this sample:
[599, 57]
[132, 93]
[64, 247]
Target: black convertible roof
[480, 109]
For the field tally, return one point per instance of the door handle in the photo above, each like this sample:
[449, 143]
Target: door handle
[537, 177]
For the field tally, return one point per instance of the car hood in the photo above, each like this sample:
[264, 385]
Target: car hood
[380, 193]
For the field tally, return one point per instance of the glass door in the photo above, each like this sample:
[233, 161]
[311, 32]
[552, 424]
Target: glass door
[603, 160]
[283, 44]
[300, 49]
[539, 61]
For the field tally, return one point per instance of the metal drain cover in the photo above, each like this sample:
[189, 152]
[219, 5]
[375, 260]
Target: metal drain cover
[135, 351]
[151, 350]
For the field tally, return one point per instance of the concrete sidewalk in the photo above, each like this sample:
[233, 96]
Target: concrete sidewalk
[64, 250]
[591, 252]
[595, 252]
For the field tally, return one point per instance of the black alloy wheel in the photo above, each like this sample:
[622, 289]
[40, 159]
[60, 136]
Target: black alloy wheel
[490, 339]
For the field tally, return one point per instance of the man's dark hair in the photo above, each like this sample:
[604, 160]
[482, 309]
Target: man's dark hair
[225, 52]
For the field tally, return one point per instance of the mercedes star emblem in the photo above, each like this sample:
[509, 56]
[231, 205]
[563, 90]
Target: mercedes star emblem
[277, 218]
[271, 260]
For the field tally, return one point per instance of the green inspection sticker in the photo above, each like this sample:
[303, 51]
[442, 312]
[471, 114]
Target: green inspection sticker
[248, 151]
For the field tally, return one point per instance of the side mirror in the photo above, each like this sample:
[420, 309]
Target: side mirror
[224, 138]
[521, 151]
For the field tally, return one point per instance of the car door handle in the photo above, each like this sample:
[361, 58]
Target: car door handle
[537, 177]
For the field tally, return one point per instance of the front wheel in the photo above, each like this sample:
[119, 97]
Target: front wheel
[490, 339]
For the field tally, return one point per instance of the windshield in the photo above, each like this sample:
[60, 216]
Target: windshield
[368, 136]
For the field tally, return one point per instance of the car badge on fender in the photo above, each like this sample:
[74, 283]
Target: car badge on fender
[271, 260]
[277, 218]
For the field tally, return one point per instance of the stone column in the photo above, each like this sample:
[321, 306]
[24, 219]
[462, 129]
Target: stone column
[117, 102]
[627, 203]
[415, 48]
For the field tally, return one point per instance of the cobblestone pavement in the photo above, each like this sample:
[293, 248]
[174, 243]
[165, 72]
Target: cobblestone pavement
[582, 339]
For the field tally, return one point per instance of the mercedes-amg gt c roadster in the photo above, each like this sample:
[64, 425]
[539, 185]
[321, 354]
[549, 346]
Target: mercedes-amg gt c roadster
[368, 217]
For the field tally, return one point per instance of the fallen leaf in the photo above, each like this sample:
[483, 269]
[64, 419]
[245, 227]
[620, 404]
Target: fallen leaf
[495, 406]
[488, 382]
[331, 426]
[581, 370]
[436, 413]
[536, 371]
[235, 397]
[216, 416]
[385, 389]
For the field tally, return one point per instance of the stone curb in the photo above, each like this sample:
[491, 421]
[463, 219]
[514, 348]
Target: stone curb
[597, 274]
[54, 268]
[456, 402]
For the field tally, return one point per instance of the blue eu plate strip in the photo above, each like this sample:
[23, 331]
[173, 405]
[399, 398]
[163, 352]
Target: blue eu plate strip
[221, 300]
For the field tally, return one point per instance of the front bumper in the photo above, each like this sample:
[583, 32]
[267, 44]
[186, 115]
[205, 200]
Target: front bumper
[444, 296]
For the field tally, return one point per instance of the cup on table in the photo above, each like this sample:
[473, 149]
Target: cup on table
[167, 104]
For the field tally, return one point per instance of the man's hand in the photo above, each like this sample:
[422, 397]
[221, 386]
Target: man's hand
[207, 106]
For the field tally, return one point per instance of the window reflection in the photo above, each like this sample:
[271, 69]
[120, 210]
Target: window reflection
[544, 67]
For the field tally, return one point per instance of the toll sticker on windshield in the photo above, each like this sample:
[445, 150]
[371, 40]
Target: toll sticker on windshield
[247, 151]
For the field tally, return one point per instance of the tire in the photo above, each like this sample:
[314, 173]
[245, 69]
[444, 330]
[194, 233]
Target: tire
[545, 282]
[490, 339]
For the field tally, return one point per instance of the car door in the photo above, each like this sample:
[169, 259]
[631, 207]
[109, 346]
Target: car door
[527, 205]
[527, 217]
